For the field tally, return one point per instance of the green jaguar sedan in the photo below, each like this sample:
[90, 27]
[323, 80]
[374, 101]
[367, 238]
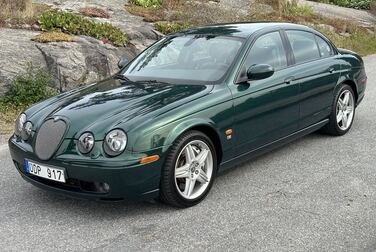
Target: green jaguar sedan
[193, 104]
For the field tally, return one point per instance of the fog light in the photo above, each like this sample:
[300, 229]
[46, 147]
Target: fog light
[97, 187]
[103, 187]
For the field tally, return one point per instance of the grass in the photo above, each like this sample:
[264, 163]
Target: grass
[187, 13]
[72, 23]
[20, 12]
[147, 3]
[360, 41]
[8, 115]
[169, 27]
[29, 88]
[148, 14]
[292, 8]
[53, 36]
[173, 15]
[22, 8]
[25, 89]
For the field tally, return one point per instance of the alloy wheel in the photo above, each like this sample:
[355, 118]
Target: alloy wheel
[193, 169]
[345, 110]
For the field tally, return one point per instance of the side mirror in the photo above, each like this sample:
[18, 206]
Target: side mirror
[122, 63]
[260, 71]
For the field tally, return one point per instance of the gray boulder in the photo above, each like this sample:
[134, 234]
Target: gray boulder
[70, 63]
[16, 50]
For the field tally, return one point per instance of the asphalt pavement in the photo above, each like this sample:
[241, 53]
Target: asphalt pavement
[315, 194]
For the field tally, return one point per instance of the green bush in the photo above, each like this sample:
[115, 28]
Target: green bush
[169, 27]
[29, 88]
[293, 8]
[75, 24]
[147, 3]
[356, 4]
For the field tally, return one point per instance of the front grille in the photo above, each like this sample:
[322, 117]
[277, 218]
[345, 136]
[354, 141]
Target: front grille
[49, 138]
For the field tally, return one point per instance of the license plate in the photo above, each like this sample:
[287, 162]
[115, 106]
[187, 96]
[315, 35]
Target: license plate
[55, 174]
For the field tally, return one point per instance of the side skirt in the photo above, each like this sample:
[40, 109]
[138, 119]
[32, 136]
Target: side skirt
[270, 146]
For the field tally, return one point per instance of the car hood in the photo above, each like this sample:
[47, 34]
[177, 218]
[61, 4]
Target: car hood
[114, 103]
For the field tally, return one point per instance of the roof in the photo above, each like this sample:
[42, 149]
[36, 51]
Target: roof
[239, 29]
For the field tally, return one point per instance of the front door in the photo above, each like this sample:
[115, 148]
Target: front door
[267, 109]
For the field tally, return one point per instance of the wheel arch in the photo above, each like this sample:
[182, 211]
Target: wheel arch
[353, 87]
[206, 127]
[214, 137]
[349, 81]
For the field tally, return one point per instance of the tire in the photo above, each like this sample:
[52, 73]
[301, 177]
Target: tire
[177, 173]
[335, 127]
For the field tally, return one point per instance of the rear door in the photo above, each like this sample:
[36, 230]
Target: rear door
[317, 71]
[267, 109]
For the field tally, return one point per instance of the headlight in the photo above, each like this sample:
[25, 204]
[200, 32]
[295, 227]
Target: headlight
[115, 142]
[86, 143]
[21, 119]
[26, 132]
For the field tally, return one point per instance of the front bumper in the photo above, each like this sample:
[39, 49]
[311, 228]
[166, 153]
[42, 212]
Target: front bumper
[127, 180]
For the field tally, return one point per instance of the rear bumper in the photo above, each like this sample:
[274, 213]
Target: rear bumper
[126, 181]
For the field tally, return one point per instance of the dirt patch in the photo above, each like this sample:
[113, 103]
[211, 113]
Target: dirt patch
[94, 12]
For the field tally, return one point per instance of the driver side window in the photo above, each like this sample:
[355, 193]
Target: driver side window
[268, 49]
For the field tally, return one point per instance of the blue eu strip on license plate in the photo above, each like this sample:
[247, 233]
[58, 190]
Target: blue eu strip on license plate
[27, 166]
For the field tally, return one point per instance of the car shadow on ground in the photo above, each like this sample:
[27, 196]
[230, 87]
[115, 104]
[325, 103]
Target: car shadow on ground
[113, 210]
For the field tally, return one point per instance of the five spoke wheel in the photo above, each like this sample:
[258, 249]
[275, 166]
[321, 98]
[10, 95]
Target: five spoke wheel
[193, 169]
[345, 110]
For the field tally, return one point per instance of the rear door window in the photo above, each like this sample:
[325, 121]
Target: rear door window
[325, 49]
[304, 46]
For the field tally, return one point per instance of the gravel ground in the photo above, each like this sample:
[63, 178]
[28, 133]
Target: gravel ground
[315, 194]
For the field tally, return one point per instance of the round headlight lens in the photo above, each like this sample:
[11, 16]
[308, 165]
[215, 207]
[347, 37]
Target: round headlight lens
[86, 143]
[26, 132]
[21, 119]
[115, 142]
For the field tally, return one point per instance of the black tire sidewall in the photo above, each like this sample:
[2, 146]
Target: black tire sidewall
[334, 110]
[174, 196]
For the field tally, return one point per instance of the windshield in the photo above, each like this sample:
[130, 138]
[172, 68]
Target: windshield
[186, 59]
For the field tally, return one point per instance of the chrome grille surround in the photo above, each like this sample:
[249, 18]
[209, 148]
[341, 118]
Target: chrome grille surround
[49, 138]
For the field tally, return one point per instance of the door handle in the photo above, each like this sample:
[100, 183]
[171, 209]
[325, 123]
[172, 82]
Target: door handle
[289, 80]
[331, 70]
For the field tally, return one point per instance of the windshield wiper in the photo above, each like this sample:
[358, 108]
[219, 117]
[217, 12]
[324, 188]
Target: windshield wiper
[121, 77]
[154, 82]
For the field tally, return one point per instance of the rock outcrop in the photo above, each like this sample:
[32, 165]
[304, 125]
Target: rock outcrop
[73, 63]
[70, 63]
